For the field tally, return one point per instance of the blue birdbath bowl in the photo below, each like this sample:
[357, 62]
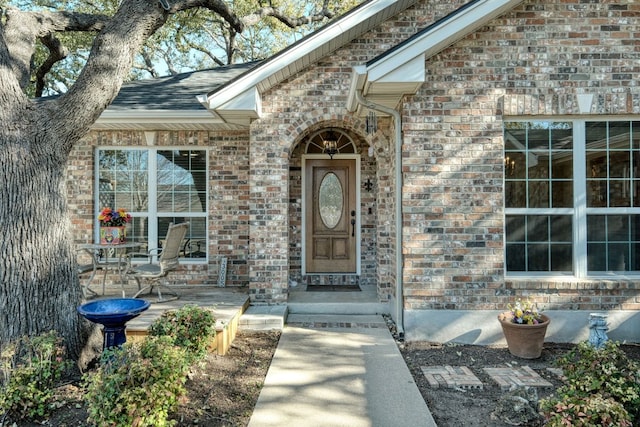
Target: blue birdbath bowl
[113, 314]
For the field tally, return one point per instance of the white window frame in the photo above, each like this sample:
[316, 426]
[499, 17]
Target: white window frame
[152, 206]
[579, 212]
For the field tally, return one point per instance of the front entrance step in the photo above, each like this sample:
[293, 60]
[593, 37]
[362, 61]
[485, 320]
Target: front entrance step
[333, 308]
[263, 318]
[361, 302]
[331, 279]
[336, 321]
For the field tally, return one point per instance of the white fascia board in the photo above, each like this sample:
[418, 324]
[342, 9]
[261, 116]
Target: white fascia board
[158, 116]
[441, 36]
[358, 82]
[249, 101]
[411, 71]
[296, 52]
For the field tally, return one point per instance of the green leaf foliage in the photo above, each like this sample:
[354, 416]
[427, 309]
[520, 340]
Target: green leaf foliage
[602, 388]
[138, 384]
[31, 368]
[190, 327]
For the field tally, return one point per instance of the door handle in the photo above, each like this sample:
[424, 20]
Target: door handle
[353, 223]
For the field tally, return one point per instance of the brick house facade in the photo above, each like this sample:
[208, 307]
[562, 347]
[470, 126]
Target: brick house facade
[455, 72]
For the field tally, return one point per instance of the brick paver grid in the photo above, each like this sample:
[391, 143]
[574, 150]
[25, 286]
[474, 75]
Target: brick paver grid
[519, 377]
[451, 377]
[462, 377]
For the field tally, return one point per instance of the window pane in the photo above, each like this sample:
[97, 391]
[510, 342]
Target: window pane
[561, 257]
[123, 179]
[538, 167]
[181, 181]
[596, 228]
[516, 194]
[612, 241]
[538, 194]
[596, 257]
[619, 135]
[635, 135]
[516, 257]
[619, 164]
[562, 165]
[617, 256]
[538, 138]
[561, 230]
[537, 228]
[619, 193]
[515, 228]
[562, 194]
[538, 257]
[634, 258]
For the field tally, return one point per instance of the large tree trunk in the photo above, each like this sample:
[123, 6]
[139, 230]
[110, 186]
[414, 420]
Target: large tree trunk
[39, 289]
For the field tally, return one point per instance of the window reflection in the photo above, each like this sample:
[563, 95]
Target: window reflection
[174, 180]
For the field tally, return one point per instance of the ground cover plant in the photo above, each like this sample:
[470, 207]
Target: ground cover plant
[601, 388]
[30, 369]
[223, 390]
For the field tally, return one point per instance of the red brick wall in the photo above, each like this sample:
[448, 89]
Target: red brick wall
[530, 62]
[228, 196]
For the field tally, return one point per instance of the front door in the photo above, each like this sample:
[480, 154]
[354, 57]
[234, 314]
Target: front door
[330, 216]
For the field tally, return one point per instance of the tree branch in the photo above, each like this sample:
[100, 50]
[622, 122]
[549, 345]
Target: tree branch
[290, 22]
[57, 52]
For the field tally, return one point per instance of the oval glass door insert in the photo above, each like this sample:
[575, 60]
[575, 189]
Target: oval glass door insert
[330, 200]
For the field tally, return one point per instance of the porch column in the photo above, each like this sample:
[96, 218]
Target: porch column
[268, 220]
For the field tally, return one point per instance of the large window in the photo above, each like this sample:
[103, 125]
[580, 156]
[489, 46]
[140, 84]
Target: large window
[158, 187]
[572, 197]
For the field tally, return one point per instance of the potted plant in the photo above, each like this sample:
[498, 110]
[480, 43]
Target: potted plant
[112, 225]
[524, 328]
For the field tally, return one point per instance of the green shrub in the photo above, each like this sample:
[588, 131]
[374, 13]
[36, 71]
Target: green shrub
[589, 411]
[137, 384]
[190, 327]
[602, 388]
[30, 369]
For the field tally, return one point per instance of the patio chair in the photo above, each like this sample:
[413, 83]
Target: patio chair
[167, 261]
[83, 267]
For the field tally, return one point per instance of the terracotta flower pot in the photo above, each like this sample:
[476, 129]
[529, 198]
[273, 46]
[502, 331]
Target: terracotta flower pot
[524, 341]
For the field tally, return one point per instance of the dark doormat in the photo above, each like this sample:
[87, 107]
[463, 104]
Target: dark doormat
[333, 288]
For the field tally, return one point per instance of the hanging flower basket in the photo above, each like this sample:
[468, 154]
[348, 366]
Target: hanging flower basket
[524, 340]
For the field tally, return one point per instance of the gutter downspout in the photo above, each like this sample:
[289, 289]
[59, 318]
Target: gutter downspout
[398, 200]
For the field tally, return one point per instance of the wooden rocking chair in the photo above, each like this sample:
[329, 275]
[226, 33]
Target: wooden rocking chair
[168, 260]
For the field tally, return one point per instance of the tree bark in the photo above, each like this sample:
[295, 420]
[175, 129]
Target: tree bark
[39, 287]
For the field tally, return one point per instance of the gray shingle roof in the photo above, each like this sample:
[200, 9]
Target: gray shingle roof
[175, 93]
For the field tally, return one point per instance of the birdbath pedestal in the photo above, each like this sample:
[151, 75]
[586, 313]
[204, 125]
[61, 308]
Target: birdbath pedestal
[113, 314]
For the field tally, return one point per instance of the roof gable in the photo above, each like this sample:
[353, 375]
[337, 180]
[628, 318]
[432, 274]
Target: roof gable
[383, 80]
[297, 57]
[231, 95]
[401, 69]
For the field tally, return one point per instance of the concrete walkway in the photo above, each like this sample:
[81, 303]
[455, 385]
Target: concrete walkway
[339, 371]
